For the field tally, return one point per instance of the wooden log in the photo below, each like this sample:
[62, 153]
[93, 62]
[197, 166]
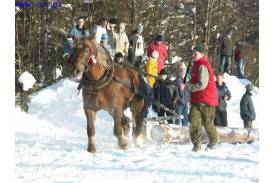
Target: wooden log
[165, 133]
[163, 119]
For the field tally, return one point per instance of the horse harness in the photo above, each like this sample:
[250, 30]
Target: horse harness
[92, 86]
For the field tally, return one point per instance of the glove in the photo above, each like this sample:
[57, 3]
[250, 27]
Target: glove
[156, 108]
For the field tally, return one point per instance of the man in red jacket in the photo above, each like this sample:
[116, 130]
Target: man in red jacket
[239, 59]
[204, 98]
[161, 47]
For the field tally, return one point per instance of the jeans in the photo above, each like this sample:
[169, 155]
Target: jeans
[225, 64]
[182, 110]
[240, 68]
[150, 93]
[68, 48]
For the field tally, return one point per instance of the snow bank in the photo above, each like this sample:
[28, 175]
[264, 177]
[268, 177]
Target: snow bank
[51, 144]
[237, 89]
[27, 80]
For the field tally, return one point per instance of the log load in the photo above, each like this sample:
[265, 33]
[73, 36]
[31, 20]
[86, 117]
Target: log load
[165, 133]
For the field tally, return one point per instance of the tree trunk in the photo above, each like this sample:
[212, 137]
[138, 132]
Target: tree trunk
[18, 45]
[208, 25]
[195, 24]
[177, 134]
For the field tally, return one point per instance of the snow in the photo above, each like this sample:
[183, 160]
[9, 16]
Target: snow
[68, 6]
[58, 73]
[27, 80]
[181, 6]
[51, 142]
[176, 59]
[17, 9]
[237, 89]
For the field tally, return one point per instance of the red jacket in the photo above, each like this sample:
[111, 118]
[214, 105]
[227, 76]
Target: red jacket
[162, 49]
[209, 95]
[238, 55]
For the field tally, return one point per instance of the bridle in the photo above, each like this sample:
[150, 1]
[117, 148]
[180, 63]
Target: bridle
[91, 57]
[92, 86]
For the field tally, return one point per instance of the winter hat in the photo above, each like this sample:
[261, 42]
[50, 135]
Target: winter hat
[249, 87]
[155, 54]
[104, 37]
[159, 37]
[113, 20]
[239, 43]
[163, 72]
[118, 55]
[199, 48]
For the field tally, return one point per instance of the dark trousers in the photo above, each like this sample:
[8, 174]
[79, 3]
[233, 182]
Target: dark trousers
[247, 124]
[221, 118]
[162, 113]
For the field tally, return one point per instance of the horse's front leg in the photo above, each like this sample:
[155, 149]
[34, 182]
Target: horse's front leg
[122, 142]
[125, 125]
[90, 115]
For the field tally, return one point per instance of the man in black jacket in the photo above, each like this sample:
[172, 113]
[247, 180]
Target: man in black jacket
[247, 108]
[167, 93]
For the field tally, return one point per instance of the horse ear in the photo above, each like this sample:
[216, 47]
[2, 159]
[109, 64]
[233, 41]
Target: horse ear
[91, 37]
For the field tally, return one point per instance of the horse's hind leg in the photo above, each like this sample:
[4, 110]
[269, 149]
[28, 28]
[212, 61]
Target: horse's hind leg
[139, 109]
[125, 125]
[117, 115]
[90, 115]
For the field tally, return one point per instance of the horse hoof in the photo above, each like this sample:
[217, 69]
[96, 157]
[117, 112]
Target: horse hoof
[91, 149]
[123, 144]
[139, 141]
[124, 147]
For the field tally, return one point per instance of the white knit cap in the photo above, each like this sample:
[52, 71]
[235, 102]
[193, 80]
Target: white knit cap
[155, 54]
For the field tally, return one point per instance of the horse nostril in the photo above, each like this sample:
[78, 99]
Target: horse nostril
[76, 72]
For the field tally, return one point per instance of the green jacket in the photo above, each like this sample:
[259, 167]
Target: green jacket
[226, 47]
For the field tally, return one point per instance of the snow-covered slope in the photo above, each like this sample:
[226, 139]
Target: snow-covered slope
[237, 89]
[51, 144]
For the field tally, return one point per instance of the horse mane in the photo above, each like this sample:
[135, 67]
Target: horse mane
[100, 53]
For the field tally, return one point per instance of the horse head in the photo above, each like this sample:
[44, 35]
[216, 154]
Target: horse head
[86, 53]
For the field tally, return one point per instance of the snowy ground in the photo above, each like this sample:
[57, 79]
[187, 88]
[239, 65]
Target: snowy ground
[51, 146]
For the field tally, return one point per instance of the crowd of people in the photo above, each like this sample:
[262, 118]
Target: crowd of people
[193, 93]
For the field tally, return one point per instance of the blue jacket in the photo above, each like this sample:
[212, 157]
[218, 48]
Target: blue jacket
[247, 108]
[74, 32]
[78, 33]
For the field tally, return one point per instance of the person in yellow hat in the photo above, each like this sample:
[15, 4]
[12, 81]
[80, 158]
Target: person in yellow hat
[152, 68]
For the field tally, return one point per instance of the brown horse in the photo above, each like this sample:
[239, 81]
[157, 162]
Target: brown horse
[111, 87]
